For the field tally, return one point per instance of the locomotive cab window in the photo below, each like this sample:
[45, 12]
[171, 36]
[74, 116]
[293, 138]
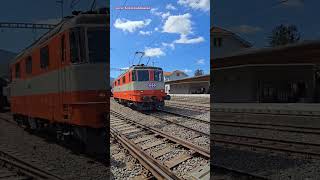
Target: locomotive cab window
[158, 76]
[123, 79]
[129, 76]
[63, 48]
[17, 68]
[118, 82]
[77, 45]
[143, 75]
[44, 57]
[29, 65]
[10, 76]
[97, 44]
[133, 75]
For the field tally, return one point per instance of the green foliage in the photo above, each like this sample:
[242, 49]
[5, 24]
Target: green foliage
[283, 35]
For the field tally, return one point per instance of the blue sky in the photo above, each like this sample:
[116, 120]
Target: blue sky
[174, 34]
[254, 20]
[34, 11]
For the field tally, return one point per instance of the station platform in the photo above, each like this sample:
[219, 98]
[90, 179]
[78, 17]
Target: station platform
[308, 109]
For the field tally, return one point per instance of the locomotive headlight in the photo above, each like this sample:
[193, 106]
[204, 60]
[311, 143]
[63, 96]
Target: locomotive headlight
[141, 91]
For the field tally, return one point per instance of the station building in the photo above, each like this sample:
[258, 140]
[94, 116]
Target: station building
[286, 74]
[189, 85]
[224, 42]
[175, 75]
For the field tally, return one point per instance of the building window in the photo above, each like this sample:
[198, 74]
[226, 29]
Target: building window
[29, 65]
[217, 42]
[18, 70]
[44, 57]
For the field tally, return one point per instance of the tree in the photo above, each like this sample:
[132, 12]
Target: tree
[283, 35]
[198, 72]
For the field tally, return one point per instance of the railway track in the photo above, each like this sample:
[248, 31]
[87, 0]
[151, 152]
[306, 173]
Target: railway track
[193, 124]
[189, 106]
[192, 100]
[16, 169]
[269, 126]
[165, 156]
[308, 150]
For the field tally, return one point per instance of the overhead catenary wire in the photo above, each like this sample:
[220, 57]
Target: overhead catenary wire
[116, 17]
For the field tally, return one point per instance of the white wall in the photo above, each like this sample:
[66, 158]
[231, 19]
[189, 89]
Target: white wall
[174, 76]
[229, 45]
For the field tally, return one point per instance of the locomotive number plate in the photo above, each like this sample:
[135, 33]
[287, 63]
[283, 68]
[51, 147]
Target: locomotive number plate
[152, 85]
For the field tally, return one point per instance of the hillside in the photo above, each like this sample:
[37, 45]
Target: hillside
[5, 57]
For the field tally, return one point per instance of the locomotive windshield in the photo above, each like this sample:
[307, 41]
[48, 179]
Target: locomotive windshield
[97, 44]
[143, 75]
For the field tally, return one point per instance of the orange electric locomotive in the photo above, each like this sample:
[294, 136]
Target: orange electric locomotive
[58, 83]
[141, 87]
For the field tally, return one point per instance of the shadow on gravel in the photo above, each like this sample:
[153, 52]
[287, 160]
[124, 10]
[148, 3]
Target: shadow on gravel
[71, 144]
[255, 163]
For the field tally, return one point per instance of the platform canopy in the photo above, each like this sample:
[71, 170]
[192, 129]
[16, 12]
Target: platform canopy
[307, 52]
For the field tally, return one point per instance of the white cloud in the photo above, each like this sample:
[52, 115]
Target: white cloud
[170, 7]
[171, 45]
[156, 29]
[124, 68]
[200, 61]
[131, 26]
[165, 15]
[203, 5]
[180, 24]
[187, 70]
[184, 40]
[155, 11]
[153, 52]
[246, 29]
[145, 32]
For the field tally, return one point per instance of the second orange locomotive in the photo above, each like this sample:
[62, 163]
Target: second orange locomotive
[141, 87]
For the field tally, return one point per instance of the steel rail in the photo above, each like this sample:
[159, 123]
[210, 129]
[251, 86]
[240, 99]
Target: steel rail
[185, 116]
[273, 147]
[156, 169]
[196, 148]
[178, 124]
[274, 127]
[189, 106]
[260, 112]
[27, 168]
